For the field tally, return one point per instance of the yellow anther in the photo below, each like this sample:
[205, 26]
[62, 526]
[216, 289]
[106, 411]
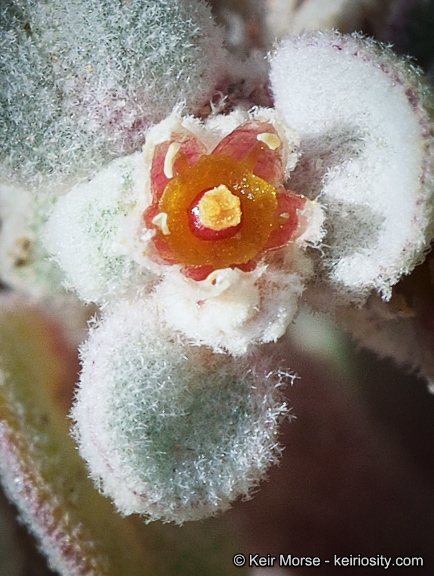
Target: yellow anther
[269, 139]
[160, 220]
[170, 158]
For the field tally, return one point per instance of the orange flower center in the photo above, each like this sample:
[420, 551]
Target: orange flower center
[219, 213]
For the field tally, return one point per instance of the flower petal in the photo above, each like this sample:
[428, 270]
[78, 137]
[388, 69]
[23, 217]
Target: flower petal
[243, 141]
[288, 207]
[168, 154]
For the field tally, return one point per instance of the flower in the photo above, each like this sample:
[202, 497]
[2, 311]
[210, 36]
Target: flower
[221, 209]
[222, 230]
[202, 218]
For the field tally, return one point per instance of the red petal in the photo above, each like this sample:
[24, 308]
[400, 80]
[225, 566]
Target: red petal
[149, 214]
[197, 273]
[243, 141]
[287, 203]
[191, 149]
[165, 254]
[247, 266]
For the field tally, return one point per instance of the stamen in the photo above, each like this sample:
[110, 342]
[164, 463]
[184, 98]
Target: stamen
[160, 220]
[170, 158]
[269, 139]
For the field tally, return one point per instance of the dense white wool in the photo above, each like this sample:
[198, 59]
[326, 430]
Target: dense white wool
[233, 310]
[92, 230]
[171, 431]
[24, 262]
[367, 152]
[80, 80]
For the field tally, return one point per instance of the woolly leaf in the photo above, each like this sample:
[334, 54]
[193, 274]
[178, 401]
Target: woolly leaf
[367, 153]
[402, 328]
[173, 432]
[80, 80]
[93, 229]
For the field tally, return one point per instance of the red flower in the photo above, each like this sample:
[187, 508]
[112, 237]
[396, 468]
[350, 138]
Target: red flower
[223, 209]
